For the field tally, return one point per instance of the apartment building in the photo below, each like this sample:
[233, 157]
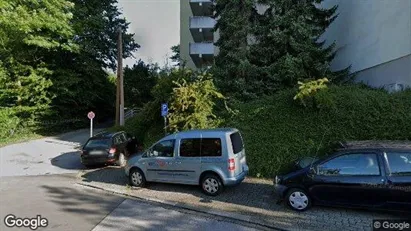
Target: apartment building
[197, 39]
[373, 36]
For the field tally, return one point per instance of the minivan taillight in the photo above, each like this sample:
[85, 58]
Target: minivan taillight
[112, 150]
[231, 164]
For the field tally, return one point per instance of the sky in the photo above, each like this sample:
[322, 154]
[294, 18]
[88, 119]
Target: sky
[156, 25]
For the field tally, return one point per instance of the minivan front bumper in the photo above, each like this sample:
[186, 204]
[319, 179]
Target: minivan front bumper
[237, 179]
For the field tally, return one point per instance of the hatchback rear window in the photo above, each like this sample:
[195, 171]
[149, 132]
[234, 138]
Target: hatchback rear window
[98, 143]
[236, 142]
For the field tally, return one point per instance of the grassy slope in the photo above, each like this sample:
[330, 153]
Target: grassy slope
[277, 131]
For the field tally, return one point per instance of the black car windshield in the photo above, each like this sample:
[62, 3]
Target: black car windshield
[98, 143]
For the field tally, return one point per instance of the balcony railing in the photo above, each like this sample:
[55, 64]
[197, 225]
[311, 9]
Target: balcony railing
[198, 22]
[201, 7]
[201, 28]
[202, 49]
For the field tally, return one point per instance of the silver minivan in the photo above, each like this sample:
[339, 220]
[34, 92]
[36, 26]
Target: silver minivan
[211, 158]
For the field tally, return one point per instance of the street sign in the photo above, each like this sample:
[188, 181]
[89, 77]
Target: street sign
[164, 109]
[91, 115]
[164, 112]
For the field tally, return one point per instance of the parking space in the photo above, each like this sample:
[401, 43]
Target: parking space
[253, 201]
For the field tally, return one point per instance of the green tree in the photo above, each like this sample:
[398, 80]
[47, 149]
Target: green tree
[193, 103]
[289, 47]
[29, 31]
[96, 23]
[81, 80]
[176, 58]
[138, 83]
[234, 73]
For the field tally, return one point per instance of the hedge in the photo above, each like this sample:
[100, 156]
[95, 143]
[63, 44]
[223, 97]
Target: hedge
[278, 131]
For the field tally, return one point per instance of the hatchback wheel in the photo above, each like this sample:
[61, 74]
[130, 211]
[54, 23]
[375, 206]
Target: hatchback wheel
[211, 185]
[122, 160]
[137, 178]
[298, 199]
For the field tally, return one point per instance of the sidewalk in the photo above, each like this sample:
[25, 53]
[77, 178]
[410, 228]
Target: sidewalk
[253, 201]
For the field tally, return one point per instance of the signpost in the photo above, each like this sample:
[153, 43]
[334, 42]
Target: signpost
[164, 113]
[91, 116]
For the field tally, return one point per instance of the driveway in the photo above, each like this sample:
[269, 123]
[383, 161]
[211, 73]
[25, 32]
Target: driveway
[52, 155]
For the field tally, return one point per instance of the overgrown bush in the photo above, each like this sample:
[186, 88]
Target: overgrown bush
[192, 99]
[313, 93]
[192, 104]
[277, 131]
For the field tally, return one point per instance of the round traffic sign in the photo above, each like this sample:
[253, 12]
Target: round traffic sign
[91, 115]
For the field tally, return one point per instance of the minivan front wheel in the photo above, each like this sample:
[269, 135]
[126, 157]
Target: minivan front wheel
[137, 178]
[211, 185]
[298, 199]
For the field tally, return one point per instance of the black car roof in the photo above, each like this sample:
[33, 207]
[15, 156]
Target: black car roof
[106, 135]
[375, 145]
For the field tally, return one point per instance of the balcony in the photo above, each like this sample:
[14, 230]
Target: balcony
[201, 28]
[202, 54]
[201, 7]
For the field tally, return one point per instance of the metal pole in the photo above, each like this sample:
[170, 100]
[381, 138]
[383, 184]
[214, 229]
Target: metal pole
[120, 71]
[91, 127]
[165, 125]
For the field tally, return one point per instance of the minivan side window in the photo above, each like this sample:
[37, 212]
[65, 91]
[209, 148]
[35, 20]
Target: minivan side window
[400, 163]
[190, 147]
[210, 147]
[162, 149]
[351, 165]
[236, 142]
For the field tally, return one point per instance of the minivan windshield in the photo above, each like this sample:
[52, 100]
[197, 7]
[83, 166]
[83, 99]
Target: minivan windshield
[98, 143]
[236, 142]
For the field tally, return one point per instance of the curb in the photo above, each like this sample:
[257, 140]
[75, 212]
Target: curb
[231, 216]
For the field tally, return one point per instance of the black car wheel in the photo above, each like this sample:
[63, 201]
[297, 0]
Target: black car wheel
[211, 185]
[298, 199]
[137, 178]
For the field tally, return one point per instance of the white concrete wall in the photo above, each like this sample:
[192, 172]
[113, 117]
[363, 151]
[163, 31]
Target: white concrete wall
[373, 34]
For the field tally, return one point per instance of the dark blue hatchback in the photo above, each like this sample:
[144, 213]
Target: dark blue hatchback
[362, 174]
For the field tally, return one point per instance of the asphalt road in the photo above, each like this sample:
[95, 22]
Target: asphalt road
[38, 178]
[136, 215]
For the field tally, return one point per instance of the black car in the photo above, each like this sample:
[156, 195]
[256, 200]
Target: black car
[362, 174]
[108, 148]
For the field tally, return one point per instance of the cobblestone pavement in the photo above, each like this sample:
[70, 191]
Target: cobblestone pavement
[253, 200]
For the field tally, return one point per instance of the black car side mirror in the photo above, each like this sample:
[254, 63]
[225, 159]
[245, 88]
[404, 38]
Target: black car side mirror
[312, 170]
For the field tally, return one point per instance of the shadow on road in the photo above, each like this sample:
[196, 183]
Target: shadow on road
[110, 175]
[71, 161]
[88, 204]
[97, 206]
[68, 160]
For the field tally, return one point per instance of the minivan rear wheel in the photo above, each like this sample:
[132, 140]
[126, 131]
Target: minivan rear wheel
[298, 199]
[211, 184]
